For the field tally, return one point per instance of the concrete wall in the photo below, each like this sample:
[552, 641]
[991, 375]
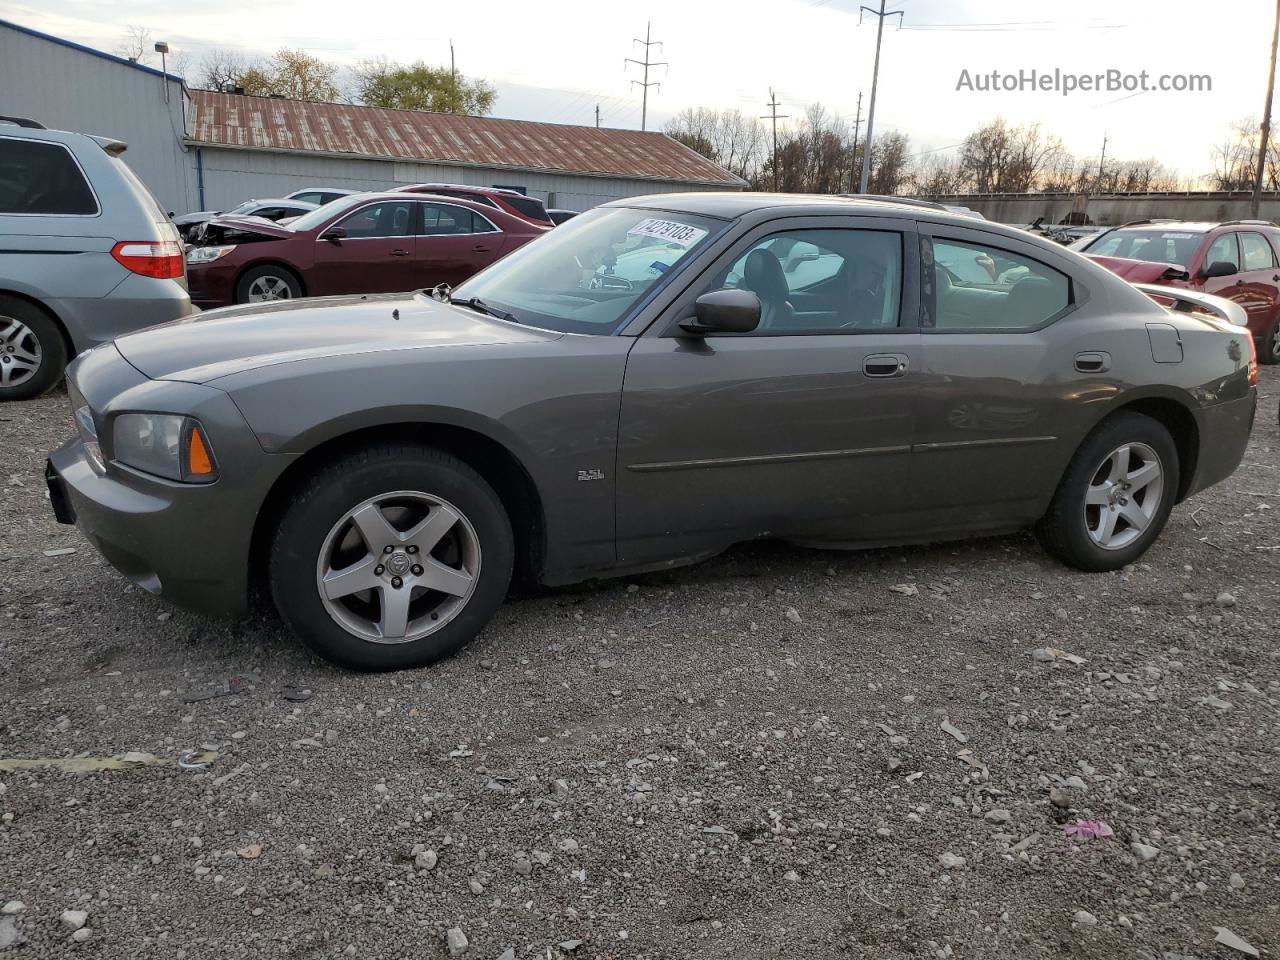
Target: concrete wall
[66, 87]
[233, 174]
[1108, 210]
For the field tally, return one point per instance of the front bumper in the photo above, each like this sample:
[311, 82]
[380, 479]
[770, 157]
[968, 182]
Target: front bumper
[171, 540]
[189, 543]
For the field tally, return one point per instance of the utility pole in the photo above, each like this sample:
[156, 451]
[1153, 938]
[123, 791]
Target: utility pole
[875, 77]
[775, 116]
[597, 115]
[646, 63]
[853, 159]
[1101, 160]
[453, 79]
[1256, 199]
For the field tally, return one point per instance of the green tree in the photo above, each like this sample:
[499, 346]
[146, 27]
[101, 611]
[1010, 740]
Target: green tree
[417, 86]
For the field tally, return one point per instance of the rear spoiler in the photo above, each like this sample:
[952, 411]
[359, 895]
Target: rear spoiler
[112, 146]
[1190, 301]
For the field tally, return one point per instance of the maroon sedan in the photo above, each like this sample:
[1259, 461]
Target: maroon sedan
[365, 243]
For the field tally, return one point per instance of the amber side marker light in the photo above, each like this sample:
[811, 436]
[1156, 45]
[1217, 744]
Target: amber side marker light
[199, 463]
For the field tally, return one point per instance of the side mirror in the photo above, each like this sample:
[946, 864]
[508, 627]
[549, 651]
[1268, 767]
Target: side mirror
[334, 234]
[723, 311]
[1220, 268]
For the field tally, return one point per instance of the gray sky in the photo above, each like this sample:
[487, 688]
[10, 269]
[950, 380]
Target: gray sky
[556, 59]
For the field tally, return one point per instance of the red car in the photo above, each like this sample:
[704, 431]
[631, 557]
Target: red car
[1237, 259]
[511, 201]
[365, 243]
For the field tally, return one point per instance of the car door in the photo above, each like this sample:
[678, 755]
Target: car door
[1258, 285]
[996, 375]
[800, 429]
[454, 243]
[375, 253]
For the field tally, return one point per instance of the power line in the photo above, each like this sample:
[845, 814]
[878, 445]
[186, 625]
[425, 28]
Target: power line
[775, 117]
[875, 77]
[646, 63]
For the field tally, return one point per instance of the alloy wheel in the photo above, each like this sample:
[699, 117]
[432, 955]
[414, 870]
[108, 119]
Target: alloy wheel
[269, 287]
[19, 352]
[398, 567]
[1123, 496]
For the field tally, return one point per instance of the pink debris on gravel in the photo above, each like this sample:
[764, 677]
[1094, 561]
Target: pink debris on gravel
[1088, 830]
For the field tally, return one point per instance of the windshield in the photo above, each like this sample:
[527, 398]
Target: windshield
[586, 275]
[245, 207]
[313, 218]
[1169, 245]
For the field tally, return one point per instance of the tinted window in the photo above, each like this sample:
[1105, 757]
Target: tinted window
[310, 197]
[1223, 250]
[392, 218]
[1159, 246]
[977, 287]
[443, 218]
[42, 178]
[818, 281]
[529, 207]
[1256, 252]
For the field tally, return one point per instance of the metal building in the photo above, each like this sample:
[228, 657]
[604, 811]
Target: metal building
[202, 150]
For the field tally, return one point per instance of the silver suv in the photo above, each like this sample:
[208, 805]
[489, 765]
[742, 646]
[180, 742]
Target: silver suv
[86, 253]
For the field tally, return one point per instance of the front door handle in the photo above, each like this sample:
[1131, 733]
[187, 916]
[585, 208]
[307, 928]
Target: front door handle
[399, 253]
[885, 365]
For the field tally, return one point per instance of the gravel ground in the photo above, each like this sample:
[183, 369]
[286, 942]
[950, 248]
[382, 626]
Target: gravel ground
[779, 753]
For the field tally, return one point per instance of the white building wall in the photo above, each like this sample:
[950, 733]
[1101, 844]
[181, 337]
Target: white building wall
[232, 174]
[66, 87]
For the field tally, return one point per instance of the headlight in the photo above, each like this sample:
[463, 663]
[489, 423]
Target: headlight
[85, 426]
[207, 254]
[165, 445]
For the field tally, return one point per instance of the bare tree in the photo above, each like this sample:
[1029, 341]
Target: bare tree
[1235, 159]
[221, 70]
[727, 137]
[136, 45]
[294, 74]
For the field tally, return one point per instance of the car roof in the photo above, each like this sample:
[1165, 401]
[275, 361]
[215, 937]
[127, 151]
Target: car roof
[342, 190]
[468, 187]
[291, 202]
[732, 205]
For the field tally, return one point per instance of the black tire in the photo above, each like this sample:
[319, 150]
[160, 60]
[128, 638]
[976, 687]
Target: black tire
[24, 329]
[1063, 532]
[282, 275]
[327, 496]
[1269, 348]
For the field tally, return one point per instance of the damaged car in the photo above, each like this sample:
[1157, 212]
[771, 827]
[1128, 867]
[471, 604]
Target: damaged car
[364, 243]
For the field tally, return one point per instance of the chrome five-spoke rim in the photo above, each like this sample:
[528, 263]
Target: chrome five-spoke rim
[19, 352]
[269, 287]
[398, 567]
[1123, 496]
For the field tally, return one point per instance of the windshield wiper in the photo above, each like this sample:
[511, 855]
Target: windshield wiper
[475, 303]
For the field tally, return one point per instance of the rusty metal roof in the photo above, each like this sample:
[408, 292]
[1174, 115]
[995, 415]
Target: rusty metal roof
[269, 123]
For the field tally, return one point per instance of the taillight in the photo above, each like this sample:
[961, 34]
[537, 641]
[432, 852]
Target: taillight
[1253, 360]
[161, 259]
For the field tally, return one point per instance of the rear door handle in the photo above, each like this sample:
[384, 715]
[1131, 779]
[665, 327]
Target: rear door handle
[399, 253]
[885, 365]
[1093, 361]
[482, 248]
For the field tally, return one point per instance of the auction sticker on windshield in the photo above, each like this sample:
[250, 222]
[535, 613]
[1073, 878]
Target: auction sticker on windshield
[670, 230]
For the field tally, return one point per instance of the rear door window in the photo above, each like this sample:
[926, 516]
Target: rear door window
[984, 288]
[1256, 252]
[42, 178]
[444, 219]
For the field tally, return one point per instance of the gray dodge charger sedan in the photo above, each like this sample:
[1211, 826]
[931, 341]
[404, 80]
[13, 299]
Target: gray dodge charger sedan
[644, 386]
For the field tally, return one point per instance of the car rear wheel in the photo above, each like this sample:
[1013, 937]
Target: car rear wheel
[1115, 496]
[392, 557]
[1269, 352]
[32, 351]
[266, 284]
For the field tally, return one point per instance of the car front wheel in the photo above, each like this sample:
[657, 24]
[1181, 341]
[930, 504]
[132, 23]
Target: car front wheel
[392, 557]
[1115, 496]
[267, 284]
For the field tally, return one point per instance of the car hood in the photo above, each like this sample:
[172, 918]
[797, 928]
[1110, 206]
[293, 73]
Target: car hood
[218, 343]
[1141, 271]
